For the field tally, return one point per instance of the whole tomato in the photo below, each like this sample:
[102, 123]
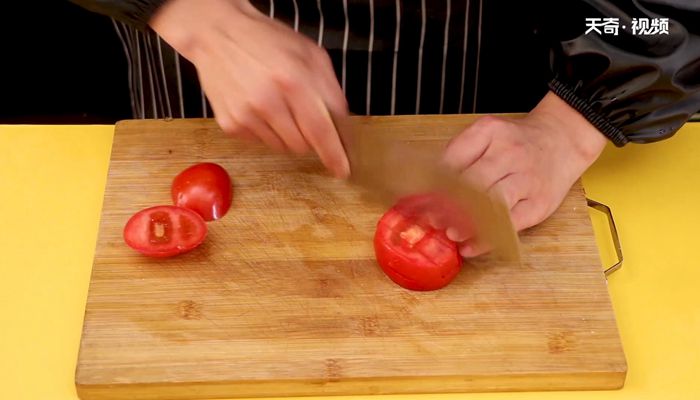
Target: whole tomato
[204, 188]
[412, 253]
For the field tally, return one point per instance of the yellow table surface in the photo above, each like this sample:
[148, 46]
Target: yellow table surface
[52, 180]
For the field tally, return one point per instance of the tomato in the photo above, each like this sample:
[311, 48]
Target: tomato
[412, 253]
[204, 188]
[164, 231]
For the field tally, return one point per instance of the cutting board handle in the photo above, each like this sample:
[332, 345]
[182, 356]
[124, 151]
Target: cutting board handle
[613, 232]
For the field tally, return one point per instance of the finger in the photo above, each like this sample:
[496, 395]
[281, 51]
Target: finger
[460, 227]
[273, 111]
[267, 136]
[440, 212]
[265, 132]
[486, 171]
[437, 221]
[470, 145]
[258, 106]
[228, 124]
[231, 126]
[474, 248]
[242, 133]
[252, 131]
[510, 189]
[456, 235]
[433, 208]
[525, 214]
[316, 124]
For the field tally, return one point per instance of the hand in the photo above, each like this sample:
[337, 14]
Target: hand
[531, 162]
[264, 81]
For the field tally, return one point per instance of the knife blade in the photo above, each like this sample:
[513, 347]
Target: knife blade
[390, 169]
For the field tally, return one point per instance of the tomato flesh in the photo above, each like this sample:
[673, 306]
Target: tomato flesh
[413, 254]
[164, 231]
[160, 228]
[204, 188]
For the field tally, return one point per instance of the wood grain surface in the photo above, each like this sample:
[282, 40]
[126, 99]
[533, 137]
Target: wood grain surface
[285, 298]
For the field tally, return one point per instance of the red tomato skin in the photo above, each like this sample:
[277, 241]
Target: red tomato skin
[140, 237]
[204, 188]
[419, 273]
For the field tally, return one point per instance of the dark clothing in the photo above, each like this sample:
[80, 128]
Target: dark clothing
[134, 12]
[456, 56]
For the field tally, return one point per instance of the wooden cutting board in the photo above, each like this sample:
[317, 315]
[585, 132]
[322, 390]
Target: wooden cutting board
[285, 297]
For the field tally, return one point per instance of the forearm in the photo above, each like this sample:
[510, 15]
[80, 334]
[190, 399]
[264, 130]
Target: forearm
[585, 140]
[189, 26]
[631, 87]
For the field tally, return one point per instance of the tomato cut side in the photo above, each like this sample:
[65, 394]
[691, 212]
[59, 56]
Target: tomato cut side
[204, 188]
[413, 254]
[164, 231]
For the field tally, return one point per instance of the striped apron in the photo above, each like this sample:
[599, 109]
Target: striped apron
[390, 57]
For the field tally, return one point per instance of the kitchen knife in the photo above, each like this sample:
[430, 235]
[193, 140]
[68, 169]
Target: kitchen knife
[391, 169]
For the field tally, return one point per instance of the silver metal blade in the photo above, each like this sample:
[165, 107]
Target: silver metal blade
[390, 170]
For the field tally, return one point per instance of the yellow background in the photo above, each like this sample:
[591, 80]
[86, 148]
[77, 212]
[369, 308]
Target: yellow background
[51, 185]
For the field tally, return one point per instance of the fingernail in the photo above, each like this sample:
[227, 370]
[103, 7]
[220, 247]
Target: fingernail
[435, 222]
[453, 235]
[473, 249]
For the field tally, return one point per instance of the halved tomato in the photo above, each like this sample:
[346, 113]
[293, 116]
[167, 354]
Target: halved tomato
[204, 188]
[414, 254]
[164, 231]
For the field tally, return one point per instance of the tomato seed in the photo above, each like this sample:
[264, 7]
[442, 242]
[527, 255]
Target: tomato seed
[160, 228]
[413, 235]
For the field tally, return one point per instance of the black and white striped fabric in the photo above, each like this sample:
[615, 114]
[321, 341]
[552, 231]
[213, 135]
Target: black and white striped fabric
[390, 56]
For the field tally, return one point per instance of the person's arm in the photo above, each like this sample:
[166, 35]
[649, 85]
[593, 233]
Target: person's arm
[133, 12]
[626, 88]
[263, 80]
[631, 87]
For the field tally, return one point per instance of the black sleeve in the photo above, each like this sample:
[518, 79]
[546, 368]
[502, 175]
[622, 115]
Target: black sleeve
[632, 87]
[133, 12]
